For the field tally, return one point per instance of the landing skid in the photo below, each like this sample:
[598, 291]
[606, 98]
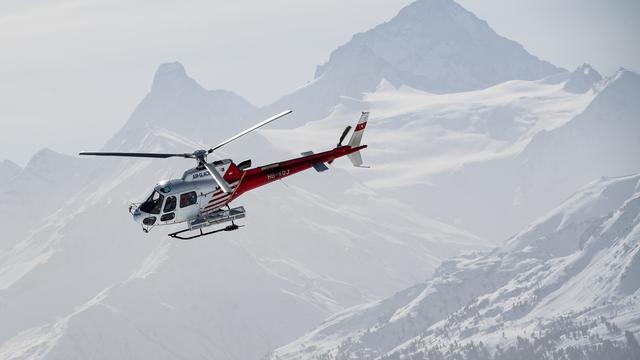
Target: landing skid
[176, 235]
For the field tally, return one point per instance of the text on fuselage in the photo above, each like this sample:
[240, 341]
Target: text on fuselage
[200, 175]
[277, 174]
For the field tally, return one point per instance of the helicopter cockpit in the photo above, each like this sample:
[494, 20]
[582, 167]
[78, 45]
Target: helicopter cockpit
[169, 201]
[153, 203]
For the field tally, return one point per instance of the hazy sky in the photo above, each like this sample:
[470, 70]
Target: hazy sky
[71, 72]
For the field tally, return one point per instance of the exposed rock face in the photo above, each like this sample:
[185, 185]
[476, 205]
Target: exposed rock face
[582, 79]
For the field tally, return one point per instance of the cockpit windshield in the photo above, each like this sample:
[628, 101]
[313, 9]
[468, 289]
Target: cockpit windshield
[153, 204]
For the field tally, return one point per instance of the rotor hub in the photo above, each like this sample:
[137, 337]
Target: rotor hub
[200, 155]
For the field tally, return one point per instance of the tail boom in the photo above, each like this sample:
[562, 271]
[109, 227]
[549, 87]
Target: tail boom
[258, 176]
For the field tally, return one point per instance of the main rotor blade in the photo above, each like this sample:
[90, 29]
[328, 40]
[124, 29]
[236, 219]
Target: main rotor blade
[217, 177]
[140, 155]
[250, 130]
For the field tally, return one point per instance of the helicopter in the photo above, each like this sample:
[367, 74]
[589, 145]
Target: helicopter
[201, 197]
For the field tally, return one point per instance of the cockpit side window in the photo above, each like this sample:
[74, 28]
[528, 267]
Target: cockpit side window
[170, 204]
[188, 199]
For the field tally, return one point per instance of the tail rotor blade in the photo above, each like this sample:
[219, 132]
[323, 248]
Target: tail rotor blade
[344, 134]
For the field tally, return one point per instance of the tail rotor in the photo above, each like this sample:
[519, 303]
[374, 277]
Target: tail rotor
[356, 138]
[344, 135]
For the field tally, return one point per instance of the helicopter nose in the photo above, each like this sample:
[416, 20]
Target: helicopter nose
[137, 215]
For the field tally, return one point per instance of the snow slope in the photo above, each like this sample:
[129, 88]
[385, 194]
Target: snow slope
[431, 45]
[576, 265]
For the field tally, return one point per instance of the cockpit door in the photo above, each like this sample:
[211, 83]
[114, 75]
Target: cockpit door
[168, 211]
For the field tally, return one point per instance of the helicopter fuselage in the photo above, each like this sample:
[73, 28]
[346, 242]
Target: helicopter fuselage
[196, 194]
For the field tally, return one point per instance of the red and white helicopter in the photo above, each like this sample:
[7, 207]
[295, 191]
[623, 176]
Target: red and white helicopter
[199, 196]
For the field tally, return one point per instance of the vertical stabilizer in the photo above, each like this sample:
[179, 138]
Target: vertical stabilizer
[356, 138]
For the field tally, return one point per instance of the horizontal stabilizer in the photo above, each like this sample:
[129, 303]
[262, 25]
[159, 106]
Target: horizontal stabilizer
[320, 167]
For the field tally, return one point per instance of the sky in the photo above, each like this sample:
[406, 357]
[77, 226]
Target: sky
[72, 71]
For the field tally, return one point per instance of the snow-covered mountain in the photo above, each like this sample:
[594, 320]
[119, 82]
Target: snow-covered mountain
[47, 182]
[178, 103]
[583, 79]
[431, 45]
[312, 246]
[601, 140]
[570, 279]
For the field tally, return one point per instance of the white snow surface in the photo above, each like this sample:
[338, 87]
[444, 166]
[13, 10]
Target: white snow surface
[578, 262]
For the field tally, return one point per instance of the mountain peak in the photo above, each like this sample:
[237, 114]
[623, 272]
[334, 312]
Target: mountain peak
[582, 79]
[171, 69]
[422, 6]
[10, 164]
[43, 155]
[620, 89]
[179, 104]
[425, 9]
[170, 75]
[431, 45]
[625, 74]
[8, 169]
